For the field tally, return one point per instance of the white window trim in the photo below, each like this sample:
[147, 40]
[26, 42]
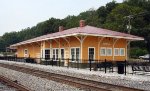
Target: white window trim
[55, 53]
[118, 51]
[25, 50]
[123, 53]
[44, 52]
[105, 51]
[64, 52]
[75, 53]
[25, 55]
[94, 52]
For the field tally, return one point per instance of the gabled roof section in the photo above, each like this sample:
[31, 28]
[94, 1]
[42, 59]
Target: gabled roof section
[87, 30]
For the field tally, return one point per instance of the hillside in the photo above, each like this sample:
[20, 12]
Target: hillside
[111, 16]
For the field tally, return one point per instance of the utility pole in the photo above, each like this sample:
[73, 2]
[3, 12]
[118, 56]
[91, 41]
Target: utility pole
[129, 27]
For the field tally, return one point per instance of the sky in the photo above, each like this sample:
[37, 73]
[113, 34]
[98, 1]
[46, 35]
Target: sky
[20, 14]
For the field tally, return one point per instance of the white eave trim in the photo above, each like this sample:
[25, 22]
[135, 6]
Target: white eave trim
[74, 34]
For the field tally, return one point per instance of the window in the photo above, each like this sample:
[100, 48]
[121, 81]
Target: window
[116, 52]
[47, 53]
[25, 53]
[55, 54]
[72, 54]
[103, 51]
[91, 54]
[122, 51]
[109, 52]
[75, 54]
[62, 53]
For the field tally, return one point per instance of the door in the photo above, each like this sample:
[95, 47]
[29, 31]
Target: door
[91, 53]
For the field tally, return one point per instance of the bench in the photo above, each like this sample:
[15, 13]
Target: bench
[107, 65]
[140, 69]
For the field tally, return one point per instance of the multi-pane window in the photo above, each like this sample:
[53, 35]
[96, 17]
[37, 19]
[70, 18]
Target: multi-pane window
[122, 51]
[55, 54]
[103, 51]
[116, 52]
[91, 54]
[47, 53]
[75, 54]
[62, 53]
[109, 52]
[72, 54]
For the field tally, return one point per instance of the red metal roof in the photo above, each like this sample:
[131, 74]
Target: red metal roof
[87, 30]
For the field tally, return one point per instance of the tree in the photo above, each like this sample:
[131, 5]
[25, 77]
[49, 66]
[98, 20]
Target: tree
[115, 20]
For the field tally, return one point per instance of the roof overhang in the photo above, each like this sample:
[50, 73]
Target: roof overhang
[77, 34]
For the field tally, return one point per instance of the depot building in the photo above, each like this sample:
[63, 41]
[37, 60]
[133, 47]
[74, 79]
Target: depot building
[83, 42]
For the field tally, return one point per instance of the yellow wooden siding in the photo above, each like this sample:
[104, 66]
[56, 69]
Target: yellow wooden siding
[90, 42]
[34, 49]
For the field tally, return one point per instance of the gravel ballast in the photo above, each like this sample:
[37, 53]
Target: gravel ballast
[35, 83]
[133, 81]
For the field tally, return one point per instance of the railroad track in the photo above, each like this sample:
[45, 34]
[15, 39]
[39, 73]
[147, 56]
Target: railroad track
[13, 84]
[83, 84]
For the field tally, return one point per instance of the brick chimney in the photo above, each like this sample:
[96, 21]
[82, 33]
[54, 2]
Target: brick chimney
[82, 23]
[61, 28]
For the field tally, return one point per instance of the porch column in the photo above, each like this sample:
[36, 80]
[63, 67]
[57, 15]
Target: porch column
[51, 51]
[81, 40]
[99, 42]
[114, 42]
[68, 46]
[42, 49]
[58, 42]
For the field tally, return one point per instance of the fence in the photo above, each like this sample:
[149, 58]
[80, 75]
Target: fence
[97, 65]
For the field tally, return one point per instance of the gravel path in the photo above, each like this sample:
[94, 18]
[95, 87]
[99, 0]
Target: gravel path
[134, 81]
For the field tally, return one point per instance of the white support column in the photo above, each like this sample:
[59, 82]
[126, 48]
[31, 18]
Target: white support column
[42, 50]
[58, 42]
[114, 42]
[51, 50]
[59, 55]
[68, 45]
[99, 42]
[81, 40]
